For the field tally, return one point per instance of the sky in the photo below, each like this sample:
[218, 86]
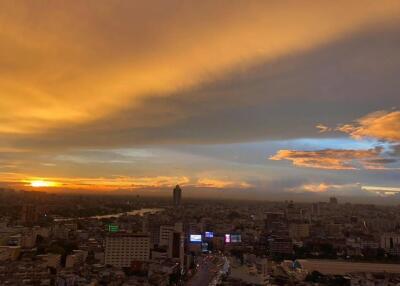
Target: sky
[248, 99]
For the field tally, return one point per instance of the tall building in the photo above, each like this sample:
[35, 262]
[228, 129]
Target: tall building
[176, 246]
[177, 195]
[123, 249]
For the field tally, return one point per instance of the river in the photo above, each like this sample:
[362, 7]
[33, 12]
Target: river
[140, 212]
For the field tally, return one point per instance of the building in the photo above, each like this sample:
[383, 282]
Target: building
[29, 214]
[292, 212]
[333, 201]
[77, 258]
[316, 209]
[177, 195]
[334, 229]
[218, 243]
[335, 267]
[122, 249]
[24, 240]
[176, 246]
[281, 246]
[165, 233]
[390, 242]
[51, 260]
[299, 230]
[274, 220]
[154, 232]
[9, 253]
[158, 254]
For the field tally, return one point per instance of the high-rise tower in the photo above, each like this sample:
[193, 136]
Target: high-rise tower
[177, 195]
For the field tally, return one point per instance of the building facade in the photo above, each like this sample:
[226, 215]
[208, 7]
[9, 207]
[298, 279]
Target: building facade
[123, 249]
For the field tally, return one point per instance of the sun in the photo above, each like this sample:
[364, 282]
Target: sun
[42, 183]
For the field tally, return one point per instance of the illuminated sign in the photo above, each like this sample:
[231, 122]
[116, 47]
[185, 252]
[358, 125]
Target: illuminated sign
[113, 228]
[227, 238]
[195, 238]
[209, 234]
[236, 238]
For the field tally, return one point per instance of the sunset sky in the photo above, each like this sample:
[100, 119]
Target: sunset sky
[242, 97]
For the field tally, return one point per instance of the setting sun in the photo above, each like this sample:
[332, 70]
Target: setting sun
[41, 183]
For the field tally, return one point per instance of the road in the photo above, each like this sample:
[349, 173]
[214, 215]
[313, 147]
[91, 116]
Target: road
[208, 269]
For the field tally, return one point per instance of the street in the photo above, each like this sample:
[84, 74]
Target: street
[208, 269]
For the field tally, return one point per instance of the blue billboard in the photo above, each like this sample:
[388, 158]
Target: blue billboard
[209, 234]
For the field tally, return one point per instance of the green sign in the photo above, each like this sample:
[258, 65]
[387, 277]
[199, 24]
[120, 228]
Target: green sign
[113, 228]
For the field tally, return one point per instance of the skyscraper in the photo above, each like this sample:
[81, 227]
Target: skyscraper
[177, 195]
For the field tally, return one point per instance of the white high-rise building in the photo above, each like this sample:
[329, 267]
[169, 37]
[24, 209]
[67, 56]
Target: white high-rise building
[122, 249]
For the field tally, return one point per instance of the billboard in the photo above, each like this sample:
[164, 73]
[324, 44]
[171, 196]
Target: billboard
[195, 238]
[112, 227]
[236, 238]
[209, 234]
[227, 238]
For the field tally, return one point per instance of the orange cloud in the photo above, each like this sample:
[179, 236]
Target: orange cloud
[342, 189]
[322, 128]
[68, 63]
[323, 187]
[381, 125]
[379, 164]
[315, 188]
[331, 159]
[221, 184]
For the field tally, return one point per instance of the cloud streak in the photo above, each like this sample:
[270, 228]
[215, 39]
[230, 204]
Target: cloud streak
[330, 188]
[380, 125]
[221, 184]
[331, 159]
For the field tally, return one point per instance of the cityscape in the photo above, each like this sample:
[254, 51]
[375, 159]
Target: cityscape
[199, 143]
[53, 239]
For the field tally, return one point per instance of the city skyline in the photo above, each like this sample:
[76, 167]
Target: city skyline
[138, 97]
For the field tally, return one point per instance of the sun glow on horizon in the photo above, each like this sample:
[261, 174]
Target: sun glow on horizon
[43, 183]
